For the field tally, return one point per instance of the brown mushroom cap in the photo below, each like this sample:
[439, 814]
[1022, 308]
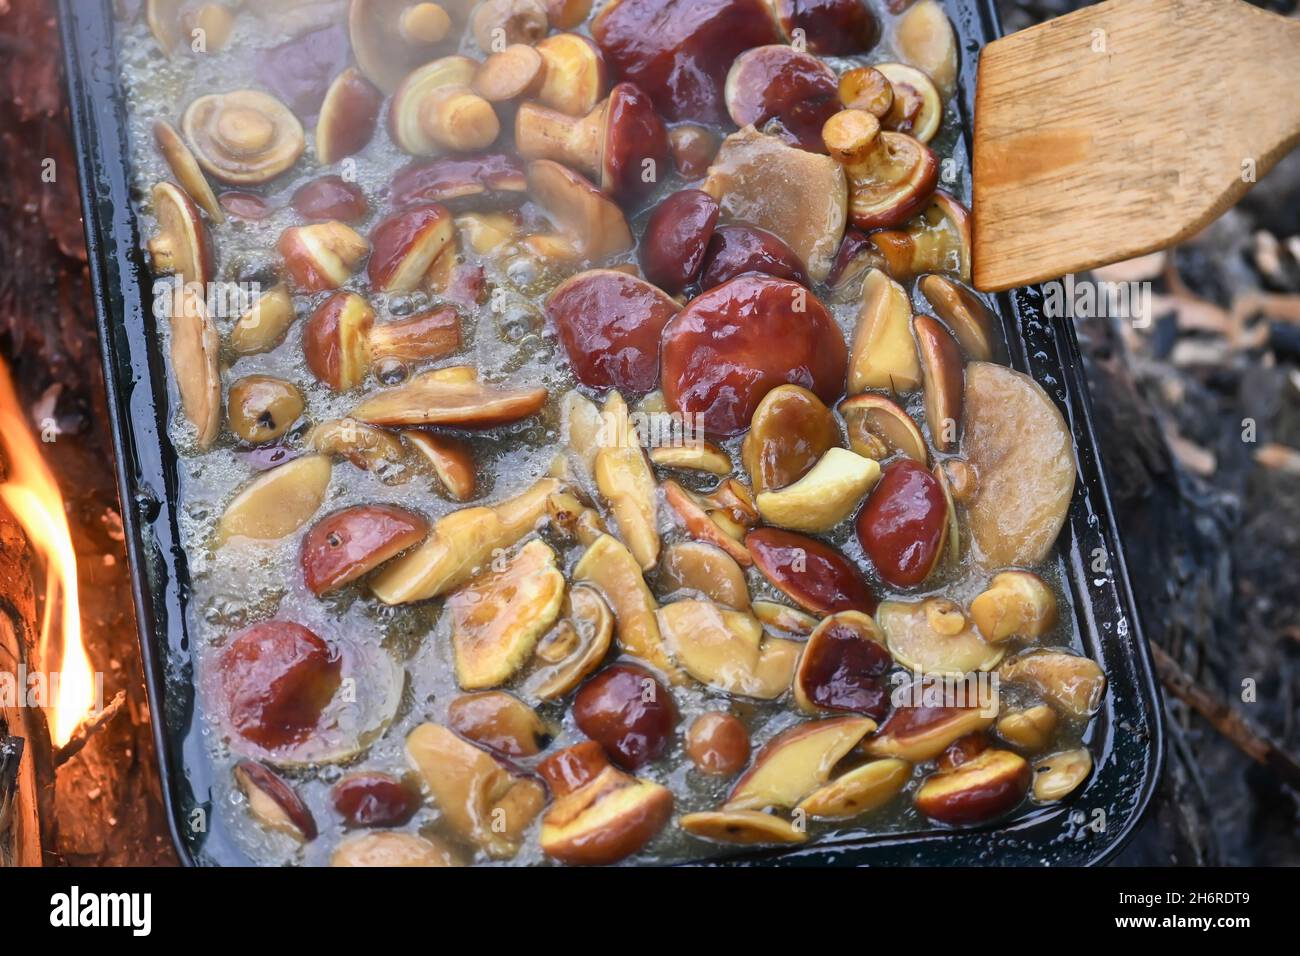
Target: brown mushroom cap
[392, 37]
[586, 217]
[181, 244]
[891, 176]
[347, 116]
[186, 169]
[244, 136]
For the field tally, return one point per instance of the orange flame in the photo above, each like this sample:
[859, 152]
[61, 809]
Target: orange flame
[33, 496]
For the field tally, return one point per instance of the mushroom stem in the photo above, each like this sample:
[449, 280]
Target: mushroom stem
[542, 133]
[425, 23]
[459, 119]
[852, 137]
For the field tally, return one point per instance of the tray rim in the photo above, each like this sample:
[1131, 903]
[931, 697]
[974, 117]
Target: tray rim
[115, 261]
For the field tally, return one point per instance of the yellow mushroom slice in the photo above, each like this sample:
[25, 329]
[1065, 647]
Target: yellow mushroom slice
[498, 618]
[609, 565]
[574, 647]
[934, 637]
[883, 354]
[243, 137]
[369, 448]
[627, 483]
[920, 731]
[796, 762]
[924, 38]
[782, 617]
[1073, 683]
[824, 497]
[705, 456]
[859, 791]
[186, 169]
[727, 649]
[480, 800]
[461, 545]
[1016, 604]
[581, 426]
[388, 848]
[572, 519]
[1029, 729]
[195, 347]
[1059, 775]
[277, 502]
[744, 827]
[1020, 447]
[705, 569]
[180, 246]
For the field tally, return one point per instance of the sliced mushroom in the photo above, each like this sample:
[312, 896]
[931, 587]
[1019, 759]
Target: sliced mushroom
[1030, 729]
[796, 762]
[879, 428]
[186, 169]
[273, 803]
[842, 667]
[277, 502]
[574, 647]
[392, 37]
[1022, 453]
[883, 354]
[323, 255]
[434, 108]
[626, 482]
[572, 519]
[390, 848]
[891, 176]
[727, 649]
[482, 802]
[1015, 604]
[918, 731]
[462, 544]
[704, 569]
[348, 116]
[925, 39]
[941, 366]
[180, 246]
[917, 107]
[195, 347]
[782, 618]
[814, 575]
[967, 317]
[691, 510]
[744, 827]
[589, 222]
[263, 326]
[574, 73]
[609, 566]
[452, 462]
[617, 143]
[514, 72]
[501, 722]
[790, 431]
[498, 618]
[1058, 776]
[824, 497]
[600, 814]
[808, 214]
[488, 178]
[983, 788]
[1073, 683]
[938, 240]
[447, 397]
[351, 543]
[934, 637]
[243, 137]
[704, 456]
[858, 791]
[369, 448]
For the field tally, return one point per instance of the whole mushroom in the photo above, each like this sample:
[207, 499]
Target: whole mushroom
[891, 176]
[392, 37]
[435, 108]
[243, 137]
[621, 143]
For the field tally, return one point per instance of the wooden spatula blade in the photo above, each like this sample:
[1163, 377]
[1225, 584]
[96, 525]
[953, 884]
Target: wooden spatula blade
[1123, 128]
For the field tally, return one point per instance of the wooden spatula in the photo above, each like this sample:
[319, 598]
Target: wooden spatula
[1123, 128]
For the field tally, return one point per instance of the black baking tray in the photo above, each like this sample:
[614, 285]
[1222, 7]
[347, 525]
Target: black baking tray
[1126, 736]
